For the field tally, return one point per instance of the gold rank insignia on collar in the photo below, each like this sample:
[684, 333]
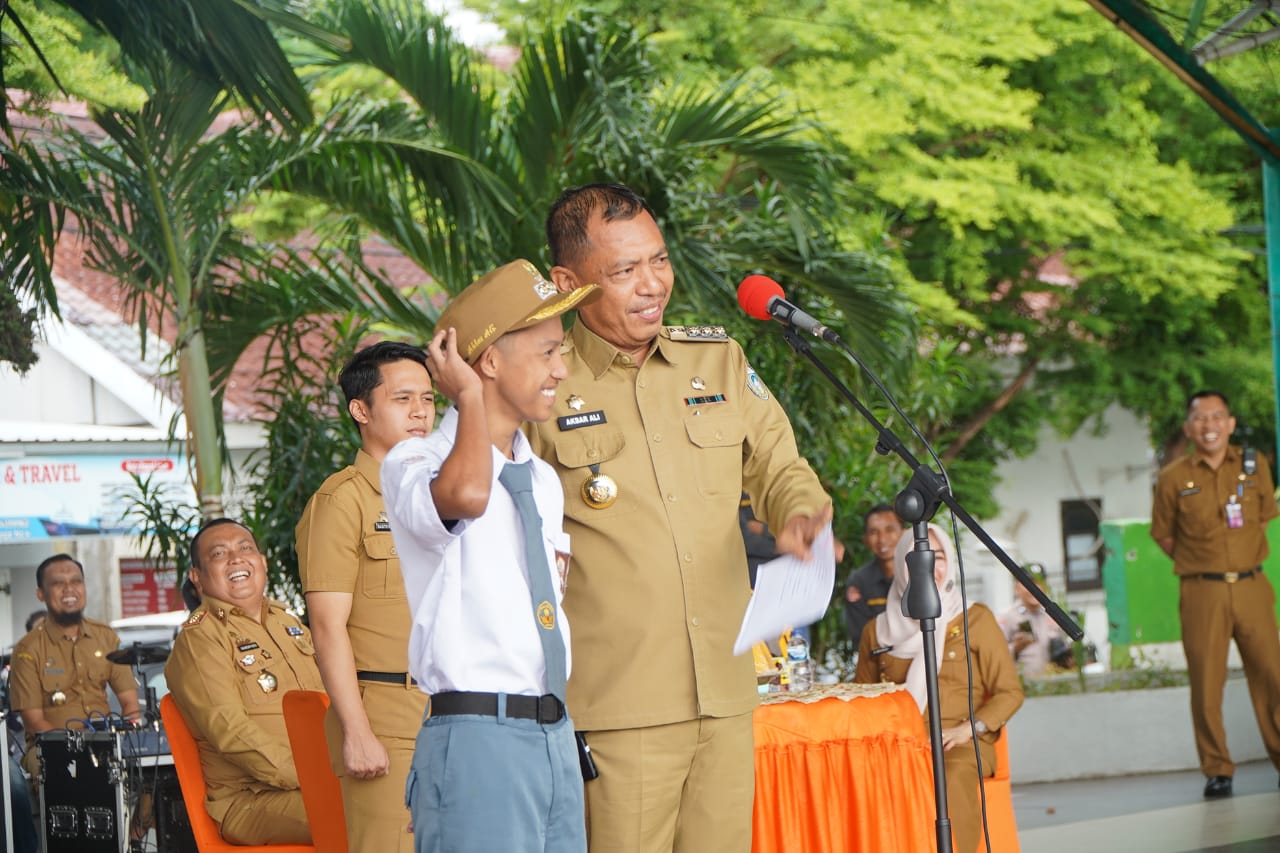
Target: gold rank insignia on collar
[697, 333]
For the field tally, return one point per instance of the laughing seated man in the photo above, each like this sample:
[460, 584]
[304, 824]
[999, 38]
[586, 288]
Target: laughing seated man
[236, 657]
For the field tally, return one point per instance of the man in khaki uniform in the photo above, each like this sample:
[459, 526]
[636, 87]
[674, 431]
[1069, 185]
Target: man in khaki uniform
[231, 665]
[60, 671]
[356, 601]
[1210, 515]
[656, 433]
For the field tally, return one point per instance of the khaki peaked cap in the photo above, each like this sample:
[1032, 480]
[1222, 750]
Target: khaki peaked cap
[512, 297]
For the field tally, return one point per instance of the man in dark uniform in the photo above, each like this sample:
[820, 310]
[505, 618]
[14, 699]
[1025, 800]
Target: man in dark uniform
[356, 600]
[657, 432]
[234, 660]
[1210, 515]
[867, 589]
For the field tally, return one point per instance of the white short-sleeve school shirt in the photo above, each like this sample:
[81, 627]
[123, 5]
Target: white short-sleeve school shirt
[466, 580]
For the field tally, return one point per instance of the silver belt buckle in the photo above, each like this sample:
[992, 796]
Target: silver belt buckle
[1231, 577]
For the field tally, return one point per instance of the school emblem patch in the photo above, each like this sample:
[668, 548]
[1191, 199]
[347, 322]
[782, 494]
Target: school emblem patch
[546, 615]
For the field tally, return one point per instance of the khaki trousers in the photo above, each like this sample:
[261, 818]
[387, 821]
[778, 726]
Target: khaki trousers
[963, 804]
[377, 819]
[1214, 613]
[272, 817]
[680, 788]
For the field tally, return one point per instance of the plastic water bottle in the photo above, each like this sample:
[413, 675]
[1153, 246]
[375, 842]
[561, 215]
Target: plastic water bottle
[799, 663]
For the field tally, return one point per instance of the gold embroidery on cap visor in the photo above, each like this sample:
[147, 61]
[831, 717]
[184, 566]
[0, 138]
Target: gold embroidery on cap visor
[560, 306]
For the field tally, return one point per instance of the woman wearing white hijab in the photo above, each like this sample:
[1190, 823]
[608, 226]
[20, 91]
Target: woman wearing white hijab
[892, 649]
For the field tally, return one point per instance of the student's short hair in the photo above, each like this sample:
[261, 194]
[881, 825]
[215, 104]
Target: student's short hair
[49, 561]
[363, 372]
[572, 213]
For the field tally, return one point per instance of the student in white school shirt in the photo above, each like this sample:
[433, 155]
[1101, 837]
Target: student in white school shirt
[495, 766]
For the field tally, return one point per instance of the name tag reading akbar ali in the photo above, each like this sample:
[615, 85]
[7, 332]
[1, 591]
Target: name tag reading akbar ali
[585, 419]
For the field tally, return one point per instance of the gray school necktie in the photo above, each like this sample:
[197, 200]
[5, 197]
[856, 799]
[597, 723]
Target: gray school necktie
[518, 480]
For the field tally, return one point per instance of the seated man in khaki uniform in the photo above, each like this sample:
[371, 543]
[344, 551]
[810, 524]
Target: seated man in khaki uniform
[60, 670]
[231, 665]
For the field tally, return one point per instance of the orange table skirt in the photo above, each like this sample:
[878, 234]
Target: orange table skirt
[843, 775]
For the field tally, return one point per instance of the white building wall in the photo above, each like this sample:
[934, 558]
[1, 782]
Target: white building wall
[1116, 467]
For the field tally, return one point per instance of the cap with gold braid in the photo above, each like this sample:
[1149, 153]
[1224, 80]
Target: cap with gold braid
[511, 298]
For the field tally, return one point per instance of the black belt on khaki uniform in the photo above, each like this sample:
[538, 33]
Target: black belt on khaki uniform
[545, 709]
[1229, 577]
[401, 678]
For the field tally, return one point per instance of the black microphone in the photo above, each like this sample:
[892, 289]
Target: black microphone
[762, 297]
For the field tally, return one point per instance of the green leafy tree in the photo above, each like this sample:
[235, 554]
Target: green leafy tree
[155, 193]
[999, 139]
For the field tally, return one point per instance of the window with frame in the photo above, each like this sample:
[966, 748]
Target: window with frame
[1082, 543]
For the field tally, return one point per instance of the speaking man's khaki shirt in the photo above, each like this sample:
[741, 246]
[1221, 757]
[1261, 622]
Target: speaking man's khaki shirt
[657, 584]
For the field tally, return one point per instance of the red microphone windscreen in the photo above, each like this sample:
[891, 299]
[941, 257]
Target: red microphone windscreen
[754, 294]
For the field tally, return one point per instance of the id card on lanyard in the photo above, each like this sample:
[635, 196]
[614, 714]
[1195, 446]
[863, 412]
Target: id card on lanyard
[1235, 510]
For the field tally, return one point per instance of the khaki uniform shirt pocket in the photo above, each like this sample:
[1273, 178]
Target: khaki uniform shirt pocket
[577, 451]
[380, 569]
[259, 692]
[1199, 515]
[718, 458]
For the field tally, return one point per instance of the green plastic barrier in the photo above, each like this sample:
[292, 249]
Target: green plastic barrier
[1142, 591]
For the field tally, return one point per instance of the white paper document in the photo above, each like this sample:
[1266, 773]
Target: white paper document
[789, 592]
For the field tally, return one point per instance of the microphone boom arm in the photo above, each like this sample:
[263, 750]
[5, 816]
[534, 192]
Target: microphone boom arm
[928, 489]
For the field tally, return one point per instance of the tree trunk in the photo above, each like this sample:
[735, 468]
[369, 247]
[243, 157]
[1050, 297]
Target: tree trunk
[202, 424]
[975, 424]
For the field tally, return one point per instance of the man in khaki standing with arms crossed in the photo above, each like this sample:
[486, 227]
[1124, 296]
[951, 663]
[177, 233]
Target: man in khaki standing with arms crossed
[657, 431]
[1210, 515]
[356, 601]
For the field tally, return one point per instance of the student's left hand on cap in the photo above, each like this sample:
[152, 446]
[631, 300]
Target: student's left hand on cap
[799, 532]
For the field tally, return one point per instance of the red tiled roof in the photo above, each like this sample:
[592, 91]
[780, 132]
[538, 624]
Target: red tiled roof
[243, 400]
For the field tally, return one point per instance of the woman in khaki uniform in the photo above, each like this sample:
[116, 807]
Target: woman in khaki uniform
[892, 650]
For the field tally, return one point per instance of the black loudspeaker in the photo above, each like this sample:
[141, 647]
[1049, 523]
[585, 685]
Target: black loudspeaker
[81, 792]
[173, 827]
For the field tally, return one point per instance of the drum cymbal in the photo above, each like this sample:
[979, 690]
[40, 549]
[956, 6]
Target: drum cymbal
[140, 653]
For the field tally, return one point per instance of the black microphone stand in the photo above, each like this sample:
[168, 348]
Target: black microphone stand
[916, 504]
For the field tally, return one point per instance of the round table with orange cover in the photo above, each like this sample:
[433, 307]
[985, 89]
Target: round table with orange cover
[843, 768]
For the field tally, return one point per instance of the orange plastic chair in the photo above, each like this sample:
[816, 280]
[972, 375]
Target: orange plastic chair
[1001, 824]
[186, 761]
[321, 791]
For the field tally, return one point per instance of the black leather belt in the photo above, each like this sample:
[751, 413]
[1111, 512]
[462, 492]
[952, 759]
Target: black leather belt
[1229, 577]
[401, 678]
[545, 709]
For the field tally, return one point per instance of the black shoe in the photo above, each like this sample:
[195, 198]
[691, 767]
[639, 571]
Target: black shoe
[1217, 786]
